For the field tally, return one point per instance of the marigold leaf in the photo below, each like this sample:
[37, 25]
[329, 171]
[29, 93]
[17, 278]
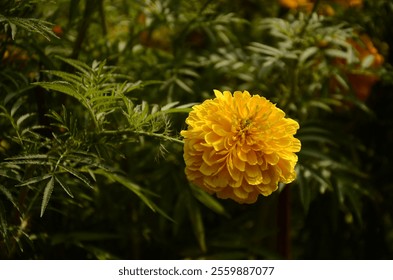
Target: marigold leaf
[61, 86]
[368, 61]
[222, 64]
[71, 78]
[169, 105]
[136, 189]
[47, 194]
[10, 171]
[3, 221]
[14, 29]
[34, 180]
[185, 108]
[85, 69]
[208, 200]
[28, 157]
[183, 85]
[265, 49]
[304, 189]
[197, 223]
[37, 159]
[321, 105]
[188, 72]
[16, 106]
[64, 186]
[338, 54]
[23, 118]
[342, 81]
[308, 152]
[355, 200]
[307, 54]
[9, 196]
[317, 175]
[78, 175]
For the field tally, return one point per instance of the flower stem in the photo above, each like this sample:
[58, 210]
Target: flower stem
[141, 133]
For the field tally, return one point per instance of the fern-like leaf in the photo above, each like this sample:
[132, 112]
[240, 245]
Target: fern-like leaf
[63, 87]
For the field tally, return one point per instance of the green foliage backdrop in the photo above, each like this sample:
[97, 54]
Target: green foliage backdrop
[94, 94]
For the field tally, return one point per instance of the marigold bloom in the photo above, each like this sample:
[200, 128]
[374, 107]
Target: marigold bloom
[295, 4]
[239, 146]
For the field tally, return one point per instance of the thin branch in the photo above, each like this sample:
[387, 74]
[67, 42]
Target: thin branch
[141, 133]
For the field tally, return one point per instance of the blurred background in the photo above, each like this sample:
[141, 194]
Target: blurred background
[94, 94]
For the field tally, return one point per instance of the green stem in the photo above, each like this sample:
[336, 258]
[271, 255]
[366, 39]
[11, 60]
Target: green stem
[104, 28]
[93, 116]
[13, 123]
[141, 133]
[89, 9]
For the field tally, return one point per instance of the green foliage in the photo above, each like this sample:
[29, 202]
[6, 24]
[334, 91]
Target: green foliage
[27, 24]
[93, 95]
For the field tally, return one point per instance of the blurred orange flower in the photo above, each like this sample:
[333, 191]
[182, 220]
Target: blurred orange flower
[239, 146]
[158, 38]
[365, 48]
[325, 7]
[296, 4]
[362, 76]
[58, 30]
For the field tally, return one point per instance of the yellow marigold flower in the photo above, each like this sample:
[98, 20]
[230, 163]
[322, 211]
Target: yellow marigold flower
[239, 146]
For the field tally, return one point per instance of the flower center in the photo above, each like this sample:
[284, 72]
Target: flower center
[242, 131]
[244, 124]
